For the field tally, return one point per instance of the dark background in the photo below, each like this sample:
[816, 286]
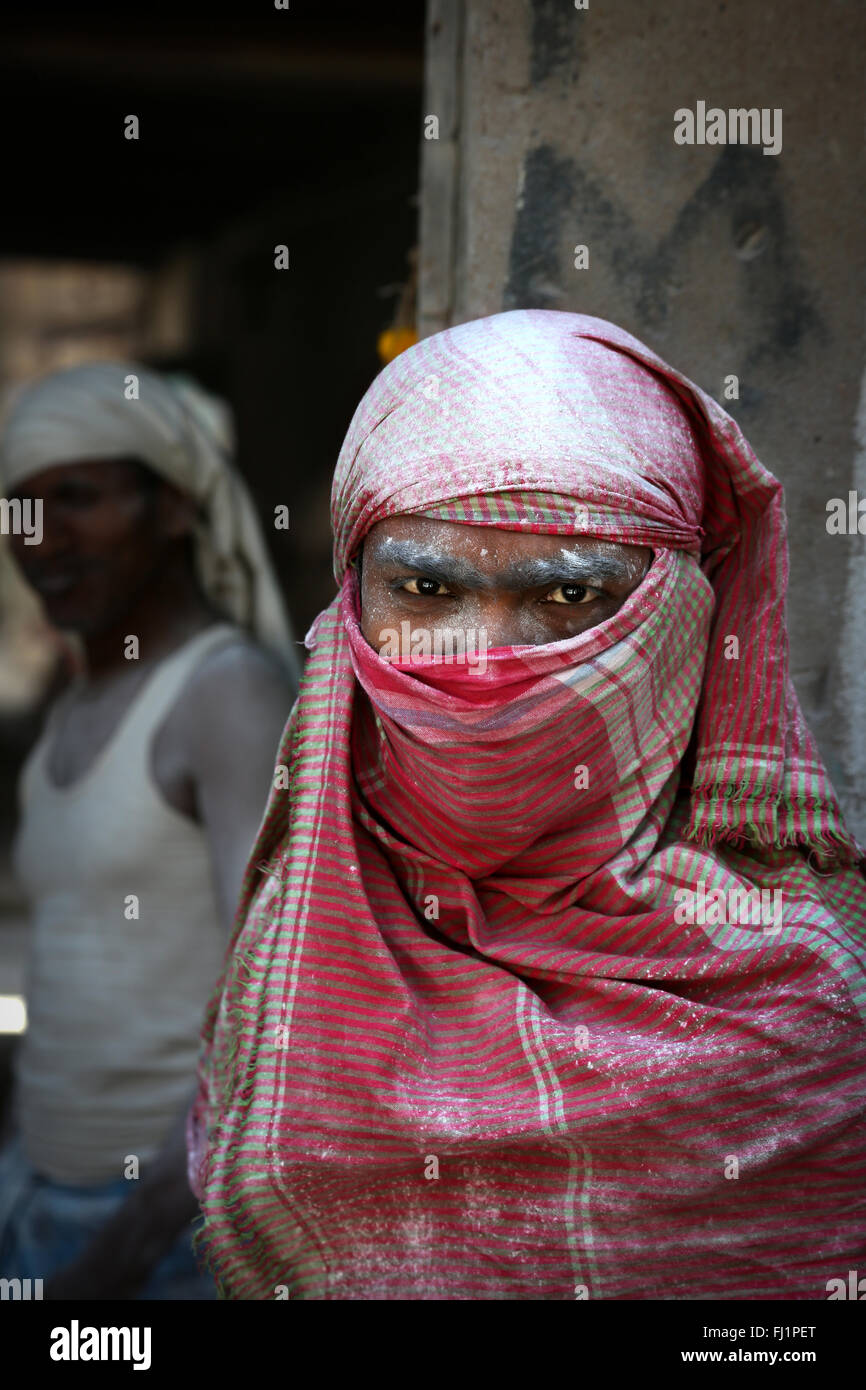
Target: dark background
[258, 127]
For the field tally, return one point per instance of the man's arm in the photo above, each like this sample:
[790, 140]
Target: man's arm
[238, 704]
[229, 718]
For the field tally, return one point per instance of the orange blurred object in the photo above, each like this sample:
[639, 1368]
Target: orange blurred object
[392, 341]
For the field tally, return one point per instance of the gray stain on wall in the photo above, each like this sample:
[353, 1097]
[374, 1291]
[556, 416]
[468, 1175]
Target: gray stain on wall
[555, 40]
[739, 206]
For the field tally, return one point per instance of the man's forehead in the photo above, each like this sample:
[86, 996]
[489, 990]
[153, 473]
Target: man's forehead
[90, 467]
[453, 537]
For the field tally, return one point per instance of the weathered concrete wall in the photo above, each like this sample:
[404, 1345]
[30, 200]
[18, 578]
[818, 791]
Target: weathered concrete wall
[557, 129]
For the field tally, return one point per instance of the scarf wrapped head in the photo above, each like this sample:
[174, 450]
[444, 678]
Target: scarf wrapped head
[525, 958]
[185, 435]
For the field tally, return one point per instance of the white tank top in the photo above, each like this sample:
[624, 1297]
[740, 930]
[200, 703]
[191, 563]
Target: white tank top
[114, 1004]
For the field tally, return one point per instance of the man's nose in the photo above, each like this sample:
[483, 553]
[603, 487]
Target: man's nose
[506, 622]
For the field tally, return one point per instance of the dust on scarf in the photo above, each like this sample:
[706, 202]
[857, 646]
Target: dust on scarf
[559, 1083]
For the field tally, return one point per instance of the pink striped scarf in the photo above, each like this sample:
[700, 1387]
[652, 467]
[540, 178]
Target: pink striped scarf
[494, 1024]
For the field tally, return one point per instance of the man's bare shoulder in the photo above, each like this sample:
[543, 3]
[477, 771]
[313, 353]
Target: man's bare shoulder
[235, 687]
[238, 662]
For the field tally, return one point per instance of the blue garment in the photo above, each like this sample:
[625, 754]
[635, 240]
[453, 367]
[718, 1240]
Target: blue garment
[45, 1225]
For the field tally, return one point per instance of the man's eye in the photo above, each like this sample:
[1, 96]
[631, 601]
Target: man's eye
[425, 588]
[77, 494]
[573, 593]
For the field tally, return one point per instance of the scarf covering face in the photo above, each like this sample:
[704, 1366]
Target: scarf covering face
[185, 435]
[475, 1039]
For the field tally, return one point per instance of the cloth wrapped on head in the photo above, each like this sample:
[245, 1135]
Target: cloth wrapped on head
[120, 409]
[622, 447]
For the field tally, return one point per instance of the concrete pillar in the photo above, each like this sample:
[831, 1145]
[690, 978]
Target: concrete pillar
[556, 130]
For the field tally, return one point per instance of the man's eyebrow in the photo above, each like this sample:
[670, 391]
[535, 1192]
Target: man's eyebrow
[523, 574]
[567, 569]
[445, 569]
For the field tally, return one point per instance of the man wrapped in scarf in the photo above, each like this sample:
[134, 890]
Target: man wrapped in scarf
[548, 976]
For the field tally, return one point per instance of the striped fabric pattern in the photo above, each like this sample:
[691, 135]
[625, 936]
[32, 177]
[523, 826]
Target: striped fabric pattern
[466, 1046]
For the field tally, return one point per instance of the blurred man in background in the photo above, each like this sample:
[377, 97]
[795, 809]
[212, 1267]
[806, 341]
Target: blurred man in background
[139, 805]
